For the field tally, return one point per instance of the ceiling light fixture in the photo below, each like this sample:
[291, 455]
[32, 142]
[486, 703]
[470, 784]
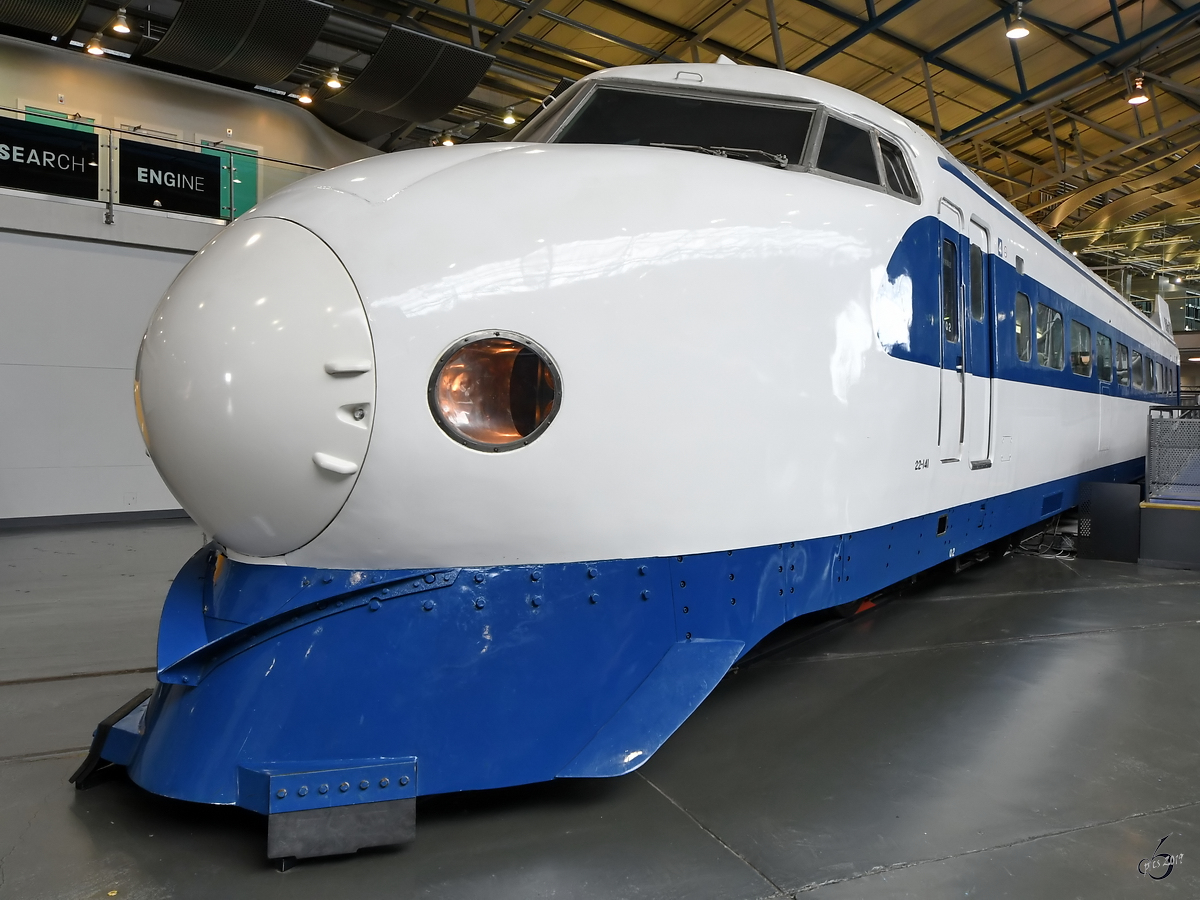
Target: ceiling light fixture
[121, 25]
[509, 118]
[94, 46]
[1017, 28]
[333, 81]
[447, 140]
[1138, 96]
[305, 94]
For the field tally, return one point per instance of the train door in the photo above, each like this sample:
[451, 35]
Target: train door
[978, 339]
[1106, 388]
[950, 419]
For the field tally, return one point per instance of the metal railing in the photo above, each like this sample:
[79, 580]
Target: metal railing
[1173, 455]
[244, 176]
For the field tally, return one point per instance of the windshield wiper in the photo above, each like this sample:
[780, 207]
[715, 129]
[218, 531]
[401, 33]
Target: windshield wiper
[695, 148]
[746, 153]
[778, 159]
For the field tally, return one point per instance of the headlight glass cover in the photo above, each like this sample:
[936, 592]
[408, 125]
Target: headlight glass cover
[494, 391]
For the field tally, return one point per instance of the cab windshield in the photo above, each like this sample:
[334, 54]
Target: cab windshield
[770, 134]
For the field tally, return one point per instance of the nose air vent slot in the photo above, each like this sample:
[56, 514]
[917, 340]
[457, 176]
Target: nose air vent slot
[334, 464]
[344, 368]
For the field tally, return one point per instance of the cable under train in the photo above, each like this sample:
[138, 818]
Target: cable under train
[498, 498]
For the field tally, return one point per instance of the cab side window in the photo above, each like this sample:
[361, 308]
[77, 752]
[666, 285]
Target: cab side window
[899, 179]
[1024, 323]
[848, 150]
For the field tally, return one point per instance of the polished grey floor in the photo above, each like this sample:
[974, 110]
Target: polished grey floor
[1027, 728]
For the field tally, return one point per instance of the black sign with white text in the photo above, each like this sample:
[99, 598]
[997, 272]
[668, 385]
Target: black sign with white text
[48, 158]
[168, 178]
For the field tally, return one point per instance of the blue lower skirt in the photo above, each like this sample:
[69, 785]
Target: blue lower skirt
[456, 679]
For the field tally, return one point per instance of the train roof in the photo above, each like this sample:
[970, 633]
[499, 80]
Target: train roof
[781, 83]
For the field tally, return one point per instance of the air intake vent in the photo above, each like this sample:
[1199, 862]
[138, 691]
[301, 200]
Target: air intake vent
[356, 123]
[415, 77]
[48, 16]
[258, 41]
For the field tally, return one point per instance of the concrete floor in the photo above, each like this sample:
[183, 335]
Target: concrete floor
[1027, 728]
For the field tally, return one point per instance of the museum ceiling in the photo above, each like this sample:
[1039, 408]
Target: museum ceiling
[1045, 118]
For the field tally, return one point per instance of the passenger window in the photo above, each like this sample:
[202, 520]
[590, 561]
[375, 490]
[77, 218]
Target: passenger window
[950, 290]
[1049, 337]
[1139, 379]
[1160, 383]
[899, 179]
[1081, 349]
[1122, 364]
[1104, 356]
[1024, 328]
[847, 150]
[977, 284]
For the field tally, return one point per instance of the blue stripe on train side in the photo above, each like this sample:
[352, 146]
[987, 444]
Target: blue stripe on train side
[494, 676]
[955, 169]
[918, 256]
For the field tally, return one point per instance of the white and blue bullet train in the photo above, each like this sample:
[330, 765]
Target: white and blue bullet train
[510, 450]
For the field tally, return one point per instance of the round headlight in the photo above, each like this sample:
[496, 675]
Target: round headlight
[494, 391]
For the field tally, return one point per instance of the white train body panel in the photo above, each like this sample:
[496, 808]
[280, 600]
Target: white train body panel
[718, 326]
[743, 398]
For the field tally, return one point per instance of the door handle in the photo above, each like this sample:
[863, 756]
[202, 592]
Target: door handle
[958, 367]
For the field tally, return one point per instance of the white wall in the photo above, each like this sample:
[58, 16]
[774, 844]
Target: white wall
[76, 293]
[73, 314]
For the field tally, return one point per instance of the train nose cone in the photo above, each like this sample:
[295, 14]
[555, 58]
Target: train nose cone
[255, 386]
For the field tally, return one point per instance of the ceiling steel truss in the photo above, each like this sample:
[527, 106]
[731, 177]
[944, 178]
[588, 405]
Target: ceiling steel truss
[1044, 119]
